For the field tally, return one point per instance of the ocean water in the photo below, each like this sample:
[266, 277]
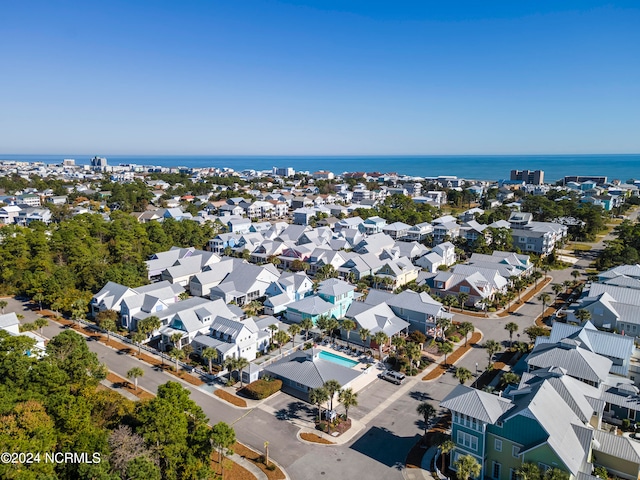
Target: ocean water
[481, 167]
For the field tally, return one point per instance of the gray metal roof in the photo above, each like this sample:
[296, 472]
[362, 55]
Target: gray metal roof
[307, 369]
[617, 446]
[476, 403]
[578, 362]
[604, 343]
[620, 294]
[376, 318]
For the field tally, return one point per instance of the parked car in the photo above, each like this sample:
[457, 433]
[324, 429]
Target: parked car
[393, 377]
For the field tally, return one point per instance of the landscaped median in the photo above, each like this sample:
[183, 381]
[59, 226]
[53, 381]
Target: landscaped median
[313, 438]
[119, 382]
[230, 397]
[441, 369]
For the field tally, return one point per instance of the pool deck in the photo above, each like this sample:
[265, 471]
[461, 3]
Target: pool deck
[369, 371]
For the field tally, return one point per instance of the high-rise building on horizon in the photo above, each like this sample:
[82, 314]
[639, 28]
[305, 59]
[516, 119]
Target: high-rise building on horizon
[531, 177]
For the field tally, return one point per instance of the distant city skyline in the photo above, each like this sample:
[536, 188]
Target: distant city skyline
[304, 77]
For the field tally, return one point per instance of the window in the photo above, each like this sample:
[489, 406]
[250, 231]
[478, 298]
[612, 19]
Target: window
[464, 289]
[543, 467]
[467, 440]
[513, 475]
[496, 470]
[499, 424]
[498, 445]
[632, 414]
[515, 450]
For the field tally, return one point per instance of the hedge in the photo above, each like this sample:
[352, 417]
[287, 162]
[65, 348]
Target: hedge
[262, 388]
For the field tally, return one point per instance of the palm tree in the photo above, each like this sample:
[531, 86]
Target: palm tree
[509, 378]
[282, 338]
[3, 304]
[134, 373]
[446, 348]
[566, 284]
[317, 396]
[575, 274]
[380, 338]
[544, 298]
[427, 411]
[230, 364]
[294, 330]
[38, 297]
[348, 398]
[364, 334]
[178, 355]
[466, 328]
[348, 326]
[331, 386]
[307, 325]
[241, 364]
[412, 351]
[512, 328]
[175, 339]
[398, 342]
[529, 471]
[449, 301]
[462, 299]
[41, 323]
[557, 289]
[332, 325]
[536, 276]
[273, 327]
[443, 324]
[492, 347]
[446, 447]
[462, 374]
[210, 354]
[583, 315]
[138, 338]
[467, 467]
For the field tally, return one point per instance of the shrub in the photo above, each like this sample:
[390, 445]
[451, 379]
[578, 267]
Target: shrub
[626, 423]
[417, 336]
[307, 346]
[454, 338]
[262, 388]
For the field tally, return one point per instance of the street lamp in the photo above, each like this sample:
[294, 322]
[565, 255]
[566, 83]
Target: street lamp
[476, 369]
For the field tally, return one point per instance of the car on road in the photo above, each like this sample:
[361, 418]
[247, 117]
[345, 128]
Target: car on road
[393, 377]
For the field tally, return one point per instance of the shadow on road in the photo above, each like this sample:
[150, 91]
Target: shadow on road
[384, 446]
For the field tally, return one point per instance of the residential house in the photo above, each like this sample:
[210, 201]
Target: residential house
[245, 283]
[373, 225]
[419, 232]
[111, 296]
[9, 323]
[289, 288]
[396, 230]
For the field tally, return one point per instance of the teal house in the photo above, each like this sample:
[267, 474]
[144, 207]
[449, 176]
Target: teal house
[332, 299]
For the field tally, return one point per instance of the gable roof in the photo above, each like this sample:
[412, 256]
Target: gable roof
[478, 404]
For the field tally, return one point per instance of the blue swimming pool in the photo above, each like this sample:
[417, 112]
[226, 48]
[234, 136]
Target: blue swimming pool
[339, 359]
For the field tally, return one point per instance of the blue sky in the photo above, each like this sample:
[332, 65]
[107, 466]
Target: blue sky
[319, 77]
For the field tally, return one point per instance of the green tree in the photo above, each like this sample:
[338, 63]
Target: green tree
[467, 467]
[331, 386]
[545, 298]
[512, 328]
[307, 325]
[137, 338]
[175, 339]
[364, 333]
[294, 329]
[445, 348]
[348, 398]
[281, 337]
[380, 338]
[462, 374]
[492, 348]
[427, 411]
[583, 315]
[317, 396]
[106, 320]
[557, 289]
[466, 328]
[535, 331]
[348, 326]
[3, 305]
[41, 323]
[223, 438]
[446, 447]
[462, 299]
[241, 364]
[529, 471]
[177, 355]
[134, 373]
[273, 328]
[210, 354]
[509, 378]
